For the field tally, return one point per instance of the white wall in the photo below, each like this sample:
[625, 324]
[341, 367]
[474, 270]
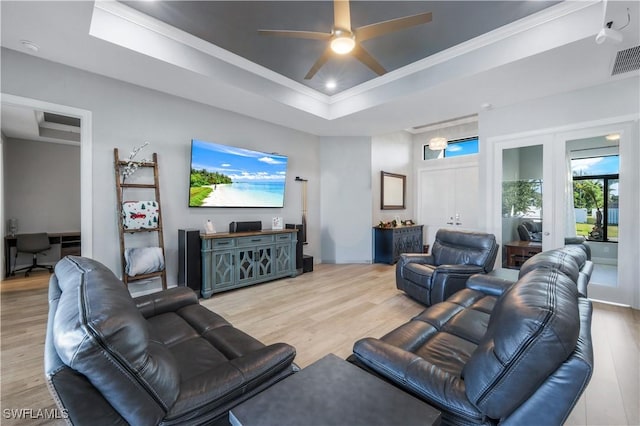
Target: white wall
[591, 104]
[2, 220]
[346, 199]
[42, 185]
[125, 116]
[605, 253]
[392, 153]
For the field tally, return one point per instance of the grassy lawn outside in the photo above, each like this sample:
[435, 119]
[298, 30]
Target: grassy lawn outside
[583, 229]
[198, 194]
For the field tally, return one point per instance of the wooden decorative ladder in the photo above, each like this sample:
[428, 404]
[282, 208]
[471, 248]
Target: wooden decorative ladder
[158, 230]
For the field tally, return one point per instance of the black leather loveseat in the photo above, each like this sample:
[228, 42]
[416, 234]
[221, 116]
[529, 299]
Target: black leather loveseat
[157, 359]
[455, 256]
[497, 352]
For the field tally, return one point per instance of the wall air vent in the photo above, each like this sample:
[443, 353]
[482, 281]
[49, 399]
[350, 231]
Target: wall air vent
[627, 60]
[443, 124]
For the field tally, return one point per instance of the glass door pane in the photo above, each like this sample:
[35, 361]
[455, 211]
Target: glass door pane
[588, 202]
[521, 204]
[612, 210]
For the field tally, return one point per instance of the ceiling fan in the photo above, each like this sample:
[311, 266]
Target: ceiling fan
[343, 39]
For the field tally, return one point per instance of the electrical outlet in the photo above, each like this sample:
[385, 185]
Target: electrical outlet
[606, 249]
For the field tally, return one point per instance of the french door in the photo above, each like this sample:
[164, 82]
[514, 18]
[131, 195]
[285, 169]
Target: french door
[521, 161]
[448, 197]
[522, 177]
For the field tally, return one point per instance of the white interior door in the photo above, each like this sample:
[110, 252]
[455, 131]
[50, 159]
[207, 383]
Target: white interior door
[466, 205]
[448, 197]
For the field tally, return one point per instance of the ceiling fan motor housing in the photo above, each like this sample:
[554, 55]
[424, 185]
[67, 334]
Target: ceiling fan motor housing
[342, 41]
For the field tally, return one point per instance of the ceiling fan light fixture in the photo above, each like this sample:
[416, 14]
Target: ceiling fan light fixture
[343, 42]
[438, 144]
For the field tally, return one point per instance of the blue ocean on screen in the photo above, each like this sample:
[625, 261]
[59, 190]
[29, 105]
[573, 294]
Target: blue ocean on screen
[273, 191]
[247, 194]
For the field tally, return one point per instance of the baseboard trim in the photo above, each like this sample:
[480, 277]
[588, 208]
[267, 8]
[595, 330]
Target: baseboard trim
[606, 302]
[605, 261]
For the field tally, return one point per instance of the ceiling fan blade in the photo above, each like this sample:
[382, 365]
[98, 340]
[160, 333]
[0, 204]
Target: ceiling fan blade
[341, 15]
[296, 34]
[365, 57]
[319, 63]
[381, 28]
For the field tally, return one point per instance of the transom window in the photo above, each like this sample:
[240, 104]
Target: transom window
[455, 148]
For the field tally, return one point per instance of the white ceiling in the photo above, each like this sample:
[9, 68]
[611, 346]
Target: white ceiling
[549, 52]
[26, 123]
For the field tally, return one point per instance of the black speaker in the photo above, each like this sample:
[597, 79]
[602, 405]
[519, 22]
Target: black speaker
[307, 263]
[189, 268]
[245, 226]
[299, 244]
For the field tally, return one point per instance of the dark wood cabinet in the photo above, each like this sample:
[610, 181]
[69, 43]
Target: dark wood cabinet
[389, 243]
[519, 251]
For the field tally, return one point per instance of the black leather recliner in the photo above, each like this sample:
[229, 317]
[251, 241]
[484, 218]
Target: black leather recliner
[529, 230]
[497, 352]
[455, 256]
[157, 359]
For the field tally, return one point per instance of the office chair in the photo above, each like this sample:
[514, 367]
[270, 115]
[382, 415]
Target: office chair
[34, 244]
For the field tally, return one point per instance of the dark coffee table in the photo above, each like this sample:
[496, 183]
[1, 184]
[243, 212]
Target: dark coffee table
[332, 391]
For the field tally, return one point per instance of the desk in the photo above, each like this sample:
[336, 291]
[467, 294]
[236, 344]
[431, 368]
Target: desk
[69, 245]
[519, 251]
[333, 392]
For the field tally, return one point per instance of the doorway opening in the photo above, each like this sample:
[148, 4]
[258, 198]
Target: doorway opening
[53, 129]
[595, 168]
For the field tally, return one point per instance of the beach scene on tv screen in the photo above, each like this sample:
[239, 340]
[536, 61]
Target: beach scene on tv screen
[227, 176]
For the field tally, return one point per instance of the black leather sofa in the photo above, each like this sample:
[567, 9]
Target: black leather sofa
[157, 359]
[497, 352]
[455, 256]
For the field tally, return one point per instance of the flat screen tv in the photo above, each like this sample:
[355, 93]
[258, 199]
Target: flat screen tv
[226, 176]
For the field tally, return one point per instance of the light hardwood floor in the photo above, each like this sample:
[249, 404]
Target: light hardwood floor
[321, 312]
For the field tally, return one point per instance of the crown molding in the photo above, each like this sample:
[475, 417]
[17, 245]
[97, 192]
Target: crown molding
[147, 22]
[499, 34]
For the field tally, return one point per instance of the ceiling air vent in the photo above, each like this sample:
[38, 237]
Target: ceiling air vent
[50, 117]
[627, 60]
[60, 127]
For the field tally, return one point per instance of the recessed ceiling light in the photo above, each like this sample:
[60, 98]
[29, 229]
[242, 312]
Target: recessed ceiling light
[331, 84]
[30, 45]
[613, 137]
[486, 106]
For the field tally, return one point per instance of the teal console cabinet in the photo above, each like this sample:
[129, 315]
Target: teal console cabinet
[232, 260]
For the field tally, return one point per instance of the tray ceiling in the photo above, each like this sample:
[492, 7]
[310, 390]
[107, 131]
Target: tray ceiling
[547, 52]
[234, 25]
